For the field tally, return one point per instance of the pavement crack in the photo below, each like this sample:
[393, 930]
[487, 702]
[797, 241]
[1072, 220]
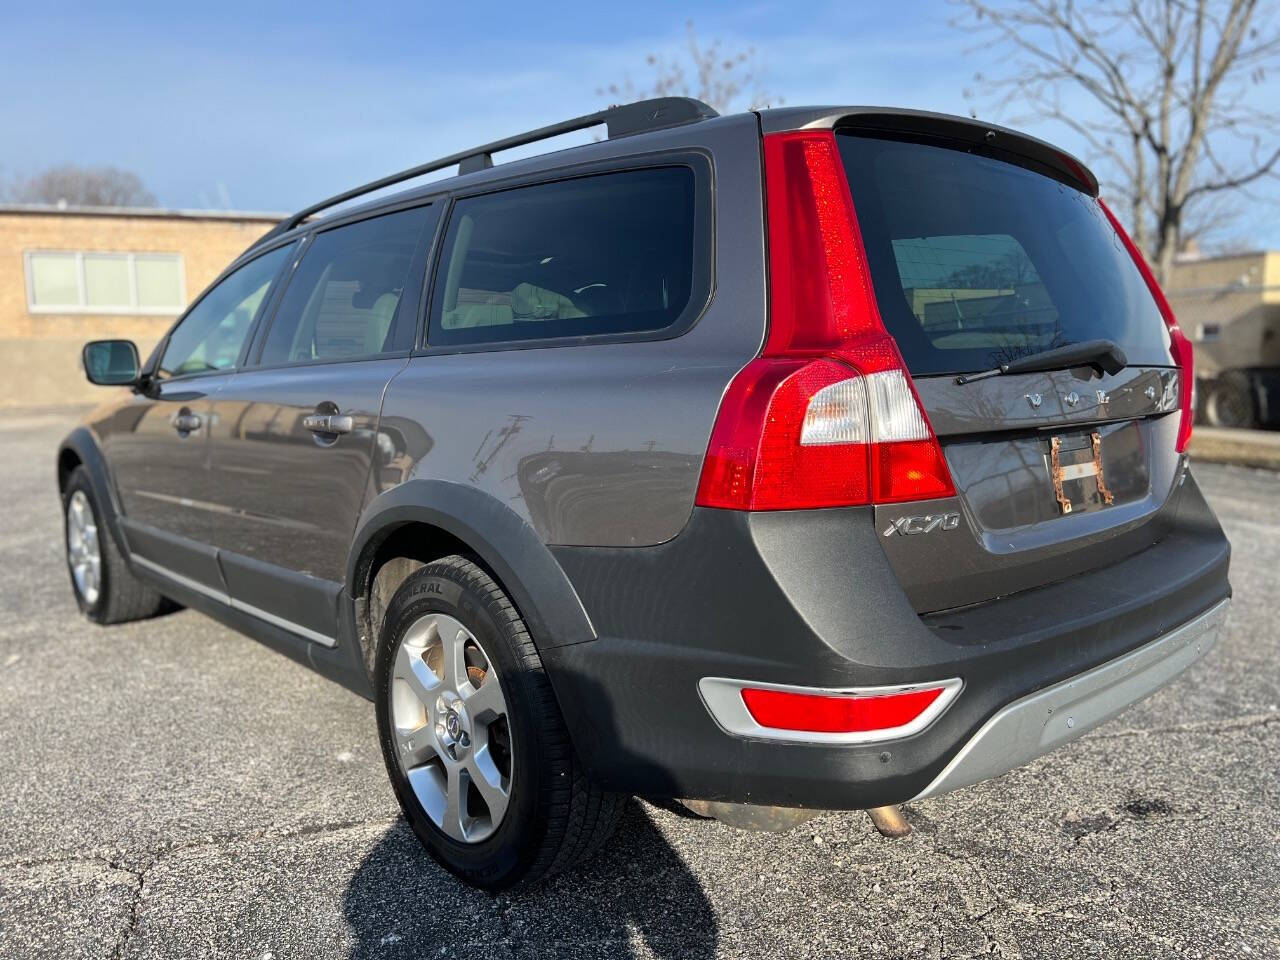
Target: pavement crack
[135, 902]
[156, 854]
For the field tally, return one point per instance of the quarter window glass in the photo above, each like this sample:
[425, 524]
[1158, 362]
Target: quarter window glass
[343, 300]
[599, 255]
[211, 335]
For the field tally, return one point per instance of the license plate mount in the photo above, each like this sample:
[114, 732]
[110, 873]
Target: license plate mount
[1075, 467]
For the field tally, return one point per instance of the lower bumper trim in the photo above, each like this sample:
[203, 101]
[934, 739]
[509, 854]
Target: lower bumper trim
[1048, 718]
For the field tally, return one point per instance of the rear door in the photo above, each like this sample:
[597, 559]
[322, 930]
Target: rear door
[158, 444]
[977, 261]
[296, 434]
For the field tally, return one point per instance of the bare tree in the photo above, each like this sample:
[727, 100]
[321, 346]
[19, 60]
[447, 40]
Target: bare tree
[719, 78]
[1178, 140]
[83, 186]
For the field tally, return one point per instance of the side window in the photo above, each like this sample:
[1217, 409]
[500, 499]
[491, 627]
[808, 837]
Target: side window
[211, 334]
[605, 254]
[344, 297]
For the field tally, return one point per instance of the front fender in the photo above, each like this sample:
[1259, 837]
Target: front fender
[84, 445]
[504, 542]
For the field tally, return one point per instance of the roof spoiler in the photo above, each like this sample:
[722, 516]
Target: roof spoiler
[1028, 150]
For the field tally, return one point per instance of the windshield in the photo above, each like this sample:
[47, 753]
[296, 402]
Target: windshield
[977, 262]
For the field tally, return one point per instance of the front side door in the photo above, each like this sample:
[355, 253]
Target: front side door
[295, 434]
[158, 444]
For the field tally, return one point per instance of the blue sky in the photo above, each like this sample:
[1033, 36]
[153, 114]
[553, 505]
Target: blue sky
[268, 107]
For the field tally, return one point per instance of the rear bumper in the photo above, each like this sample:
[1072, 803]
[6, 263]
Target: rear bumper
[807, 598]
[1045, 720]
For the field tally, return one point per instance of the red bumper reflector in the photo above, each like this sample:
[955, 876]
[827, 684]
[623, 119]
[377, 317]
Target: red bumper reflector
[816, 713]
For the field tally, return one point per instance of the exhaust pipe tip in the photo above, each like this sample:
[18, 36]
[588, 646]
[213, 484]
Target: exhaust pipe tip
[890, 822]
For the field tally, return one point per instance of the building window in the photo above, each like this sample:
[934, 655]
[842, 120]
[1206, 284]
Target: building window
[82, 282]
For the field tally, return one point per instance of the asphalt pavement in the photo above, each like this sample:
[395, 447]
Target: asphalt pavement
[172, 789]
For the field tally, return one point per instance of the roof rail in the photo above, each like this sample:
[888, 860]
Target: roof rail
[623, 120]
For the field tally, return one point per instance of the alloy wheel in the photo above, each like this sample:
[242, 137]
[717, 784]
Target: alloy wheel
[452, 731]
[83, 551]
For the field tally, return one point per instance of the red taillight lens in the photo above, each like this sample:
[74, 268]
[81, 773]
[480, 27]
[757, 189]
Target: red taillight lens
[827, 415]
[1179, 345]
[814, 713]
[756, 460]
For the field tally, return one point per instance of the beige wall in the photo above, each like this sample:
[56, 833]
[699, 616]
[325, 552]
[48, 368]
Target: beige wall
[1230, 308]
[1252, 269]
[40, 352]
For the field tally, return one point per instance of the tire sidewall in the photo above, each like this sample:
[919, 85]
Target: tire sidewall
[79, 482]
[1231, 403]
[501, 859]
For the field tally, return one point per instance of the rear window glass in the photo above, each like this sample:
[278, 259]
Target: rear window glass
[977, 262]
[593, 256]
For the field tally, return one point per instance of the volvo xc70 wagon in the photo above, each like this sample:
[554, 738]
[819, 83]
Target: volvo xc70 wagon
[810, 458]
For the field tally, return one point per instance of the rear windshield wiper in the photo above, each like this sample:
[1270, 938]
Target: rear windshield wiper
[1105, 355]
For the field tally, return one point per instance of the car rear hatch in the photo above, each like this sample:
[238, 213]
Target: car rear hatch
[980, 256]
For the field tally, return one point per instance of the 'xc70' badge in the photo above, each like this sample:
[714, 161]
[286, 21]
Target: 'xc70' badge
[910, 526]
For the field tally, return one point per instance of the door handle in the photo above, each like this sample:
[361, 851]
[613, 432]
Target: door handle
[328, 423]
[186, 422]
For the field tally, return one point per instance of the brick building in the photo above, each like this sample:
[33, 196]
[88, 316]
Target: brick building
[68, 275]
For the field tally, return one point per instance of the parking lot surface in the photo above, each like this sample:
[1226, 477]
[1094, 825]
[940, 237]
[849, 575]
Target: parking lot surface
[172, 789]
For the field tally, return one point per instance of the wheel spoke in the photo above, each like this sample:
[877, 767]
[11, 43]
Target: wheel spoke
[429, 785]
[416, 746]
[453, 661]
[413, 670]
[484, 774]
[485, 703]
[455, 809]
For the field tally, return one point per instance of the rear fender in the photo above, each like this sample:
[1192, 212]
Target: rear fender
[503, 542]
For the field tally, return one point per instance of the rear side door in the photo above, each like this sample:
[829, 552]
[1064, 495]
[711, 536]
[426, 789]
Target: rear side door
[158, 444]
[296, 434]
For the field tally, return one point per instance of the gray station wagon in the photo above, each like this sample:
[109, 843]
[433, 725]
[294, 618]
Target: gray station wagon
[810, 458]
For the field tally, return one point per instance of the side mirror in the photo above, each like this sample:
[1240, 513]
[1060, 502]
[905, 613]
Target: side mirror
[111, 363]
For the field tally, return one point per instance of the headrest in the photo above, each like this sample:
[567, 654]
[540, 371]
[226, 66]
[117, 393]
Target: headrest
[534, 303]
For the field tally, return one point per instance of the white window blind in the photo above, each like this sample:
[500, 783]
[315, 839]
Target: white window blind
[92, 282]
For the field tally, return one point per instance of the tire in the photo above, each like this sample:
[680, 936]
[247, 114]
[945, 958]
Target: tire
[519, 762]
[105, 589]
[1230, 402]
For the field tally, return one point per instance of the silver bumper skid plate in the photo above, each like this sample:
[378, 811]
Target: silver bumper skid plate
[1048, 718]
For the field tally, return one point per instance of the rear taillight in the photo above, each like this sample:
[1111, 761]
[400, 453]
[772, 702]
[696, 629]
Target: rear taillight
[826, 415]
[1179, 345]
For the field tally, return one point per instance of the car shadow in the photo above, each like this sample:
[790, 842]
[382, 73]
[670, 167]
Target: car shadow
[400, 903]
